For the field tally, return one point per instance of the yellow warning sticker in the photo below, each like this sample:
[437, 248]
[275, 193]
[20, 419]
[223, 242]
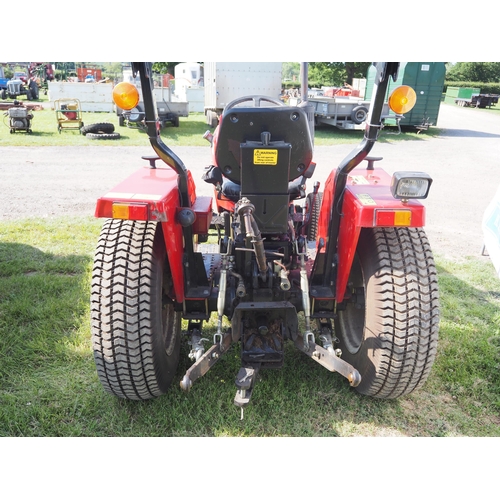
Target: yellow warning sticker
[265, 157]
[366, 199]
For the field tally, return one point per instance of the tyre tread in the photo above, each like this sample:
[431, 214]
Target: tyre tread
[121, 309]
[408, 280]
[402, 308]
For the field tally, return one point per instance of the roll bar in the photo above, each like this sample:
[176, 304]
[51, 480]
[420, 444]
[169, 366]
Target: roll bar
[384, 71]
[153, 130]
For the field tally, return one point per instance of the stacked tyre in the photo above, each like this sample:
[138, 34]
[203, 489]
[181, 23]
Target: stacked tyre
[100, 131]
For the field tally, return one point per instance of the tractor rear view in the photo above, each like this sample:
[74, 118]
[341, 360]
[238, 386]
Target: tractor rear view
[344, 271]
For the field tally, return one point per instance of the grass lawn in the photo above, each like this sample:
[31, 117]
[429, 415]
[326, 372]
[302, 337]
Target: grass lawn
[189, 133]
[49, 385]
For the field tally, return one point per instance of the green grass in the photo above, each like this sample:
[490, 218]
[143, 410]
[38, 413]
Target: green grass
[49, 385]
[189, 133]
[45, 133]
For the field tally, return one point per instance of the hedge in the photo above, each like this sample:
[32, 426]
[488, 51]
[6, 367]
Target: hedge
[486, 88]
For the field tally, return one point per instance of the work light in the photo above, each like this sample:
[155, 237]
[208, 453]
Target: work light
[410, 185]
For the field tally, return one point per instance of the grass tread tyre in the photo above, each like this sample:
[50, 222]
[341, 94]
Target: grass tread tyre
[389, 332]
[95, 128]
[135, 330]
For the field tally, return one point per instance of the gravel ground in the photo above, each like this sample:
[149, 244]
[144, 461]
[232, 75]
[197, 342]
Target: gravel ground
[464, 163]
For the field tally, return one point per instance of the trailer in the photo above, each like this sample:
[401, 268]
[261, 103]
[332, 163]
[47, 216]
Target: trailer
[348, 113]
[342, 112]
[478, 101]
[168, 109]
[227, 81]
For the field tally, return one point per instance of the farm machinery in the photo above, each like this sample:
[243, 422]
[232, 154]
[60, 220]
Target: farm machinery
[344, 273]
[16, 87]
[19, 118]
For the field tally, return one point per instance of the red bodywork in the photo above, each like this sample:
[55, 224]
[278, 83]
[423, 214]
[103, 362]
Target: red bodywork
[153, 194]
[368, 202]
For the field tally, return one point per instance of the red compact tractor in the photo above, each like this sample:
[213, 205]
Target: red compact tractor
[345, 273]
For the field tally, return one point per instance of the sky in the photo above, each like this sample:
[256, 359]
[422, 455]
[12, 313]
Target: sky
[261, 31]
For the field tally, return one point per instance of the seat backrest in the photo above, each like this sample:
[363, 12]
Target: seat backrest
[240, 125]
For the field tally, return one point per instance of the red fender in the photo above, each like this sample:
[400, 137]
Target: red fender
[368, 202]
[153, 194]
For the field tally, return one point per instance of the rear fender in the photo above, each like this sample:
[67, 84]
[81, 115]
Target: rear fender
[153, 194]
[368, 202]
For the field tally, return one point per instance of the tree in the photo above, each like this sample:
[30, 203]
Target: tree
[165, 67]
[485, 72]
[290, 71]
[337, 73]
[112, 70]
[64, 70]
[356, 70]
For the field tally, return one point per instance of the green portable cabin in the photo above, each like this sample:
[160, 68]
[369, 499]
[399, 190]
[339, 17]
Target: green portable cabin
[453, 93]
[427, 79]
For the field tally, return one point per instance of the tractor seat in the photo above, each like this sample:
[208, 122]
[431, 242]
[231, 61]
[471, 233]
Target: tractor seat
[244, 126]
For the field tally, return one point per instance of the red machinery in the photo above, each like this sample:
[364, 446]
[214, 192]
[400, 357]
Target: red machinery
[351, 261]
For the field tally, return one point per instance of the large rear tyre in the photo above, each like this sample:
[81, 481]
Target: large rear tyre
[135, 330]
[388, 330]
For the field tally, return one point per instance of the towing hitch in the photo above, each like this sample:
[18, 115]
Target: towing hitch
[329, 360]
[205, 362]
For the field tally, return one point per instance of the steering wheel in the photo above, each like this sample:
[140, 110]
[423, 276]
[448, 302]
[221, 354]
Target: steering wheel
[257, 99]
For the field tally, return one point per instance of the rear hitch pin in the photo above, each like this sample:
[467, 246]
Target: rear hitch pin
[197, 349]
[326, 340]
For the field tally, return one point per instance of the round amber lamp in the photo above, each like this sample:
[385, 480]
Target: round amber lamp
[125, 95]
[402, 99]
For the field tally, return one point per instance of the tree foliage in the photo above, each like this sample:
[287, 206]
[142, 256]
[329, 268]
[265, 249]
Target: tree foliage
[487, 72]
[290, 71]
[337, 73]
[164, 67]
